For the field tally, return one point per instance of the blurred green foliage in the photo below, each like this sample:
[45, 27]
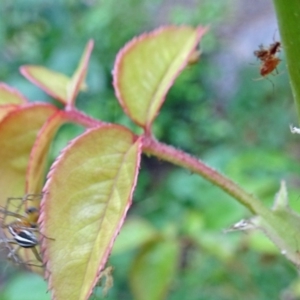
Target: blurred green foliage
[246, 137]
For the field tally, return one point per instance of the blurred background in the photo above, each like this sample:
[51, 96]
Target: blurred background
[219, 110]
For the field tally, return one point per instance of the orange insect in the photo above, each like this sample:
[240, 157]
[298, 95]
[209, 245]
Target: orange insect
[268, 57]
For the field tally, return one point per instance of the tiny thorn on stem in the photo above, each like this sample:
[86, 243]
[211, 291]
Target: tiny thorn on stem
[294, 129]
[241, 225]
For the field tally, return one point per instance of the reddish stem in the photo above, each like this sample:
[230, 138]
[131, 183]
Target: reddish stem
[180, 158]
[185, 160]
[81, 118]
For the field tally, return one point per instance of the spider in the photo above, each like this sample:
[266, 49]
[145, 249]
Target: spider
[22, 228]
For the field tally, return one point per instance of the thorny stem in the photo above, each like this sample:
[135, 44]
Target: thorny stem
[180, 158]
[81, 118]
[185, 160]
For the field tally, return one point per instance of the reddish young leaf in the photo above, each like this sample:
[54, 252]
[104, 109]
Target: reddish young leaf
[147, 66]
[9, 95]
[10, 99]
[154, 268]
[18, 131]
[56, 84]
[38, 158]
[53, 83]
[78, 77]
[35, 175]
[5, 109]
[87, 195]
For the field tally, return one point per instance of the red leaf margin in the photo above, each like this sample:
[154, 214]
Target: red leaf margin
[24, 71]
[11, 90]
[71, 92]
[18, 109]
[80, 78]
[58, 118]
[41, 220]
[148, 35]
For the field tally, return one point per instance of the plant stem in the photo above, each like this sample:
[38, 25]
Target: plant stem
[81, 118]
[180, 158]
[288, 16]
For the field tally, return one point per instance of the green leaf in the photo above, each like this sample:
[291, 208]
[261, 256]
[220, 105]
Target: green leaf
[146, 68]
[5, 109]
[10, 99]
[35, 175]
[281, 225]
[53, 83]
[18, 132]
[153, 269]
[9, 95]
[37, 164]
[78, 77]
[56, 84]
[88, 193]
